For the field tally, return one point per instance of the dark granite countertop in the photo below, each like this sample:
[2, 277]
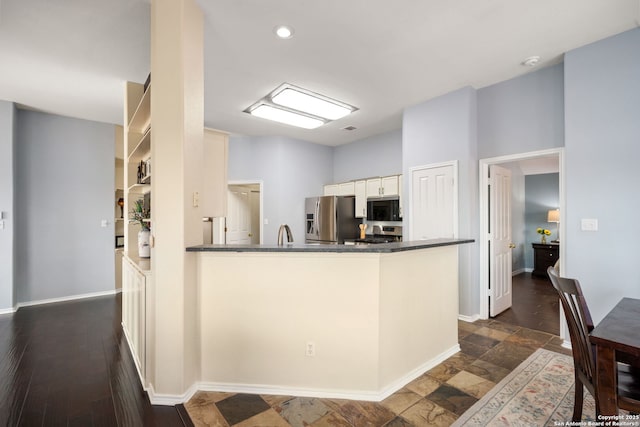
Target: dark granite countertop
[301, 247]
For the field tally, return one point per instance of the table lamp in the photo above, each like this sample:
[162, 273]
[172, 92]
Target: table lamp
[554, 216]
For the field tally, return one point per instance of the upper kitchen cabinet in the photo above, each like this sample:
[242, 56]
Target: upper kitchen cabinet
[342, 189]
[382, 187]
[346, 189]
[330, 190]
[216, 148]
[360, 188]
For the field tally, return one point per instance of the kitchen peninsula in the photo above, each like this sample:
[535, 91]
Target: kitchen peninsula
[342, 321]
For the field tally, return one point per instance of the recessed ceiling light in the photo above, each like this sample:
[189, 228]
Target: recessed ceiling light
[531, 61]
[283, 31]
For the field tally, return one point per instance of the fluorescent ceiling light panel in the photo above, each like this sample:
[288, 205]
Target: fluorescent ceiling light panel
[312, 104]
[284, 116]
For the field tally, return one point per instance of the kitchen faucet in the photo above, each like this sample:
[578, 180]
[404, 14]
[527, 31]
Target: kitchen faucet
[281, 231]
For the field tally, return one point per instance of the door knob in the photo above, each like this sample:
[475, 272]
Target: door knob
[512, 246]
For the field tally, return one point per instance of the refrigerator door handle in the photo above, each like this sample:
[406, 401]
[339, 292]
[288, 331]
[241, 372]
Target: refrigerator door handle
[317, 221]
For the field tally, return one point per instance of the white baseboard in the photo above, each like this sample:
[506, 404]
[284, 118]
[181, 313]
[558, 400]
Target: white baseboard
[63, 299]
[469, 319]
[371, 396]
[8, 310]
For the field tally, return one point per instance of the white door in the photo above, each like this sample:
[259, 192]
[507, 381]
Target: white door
[433, 202]
[500, 285]
[239, 217]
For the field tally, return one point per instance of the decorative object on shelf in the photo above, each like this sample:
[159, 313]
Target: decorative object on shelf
[543, 232]
[554, 216]
[144, 171]
[141, 216]
[121, 204]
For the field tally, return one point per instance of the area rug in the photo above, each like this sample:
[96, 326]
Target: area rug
[539, 392]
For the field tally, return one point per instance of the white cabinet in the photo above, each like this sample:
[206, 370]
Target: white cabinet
[389, 185]
[373, 187]
[135, 301]
[342, 189]
[382, 187]
[331, 190]
[400, 204]
[346, 189]
[215, 148]
[360, 188]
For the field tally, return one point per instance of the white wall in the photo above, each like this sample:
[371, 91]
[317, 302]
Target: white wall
[441, 130]
[291, 170]
[7, 175]
[602, 122]
[378, 155]
[64, 188]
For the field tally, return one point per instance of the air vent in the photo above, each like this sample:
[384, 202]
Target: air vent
[349, 128]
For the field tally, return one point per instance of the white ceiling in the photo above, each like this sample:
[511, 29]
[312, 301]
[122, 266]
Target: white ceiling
[70, 57]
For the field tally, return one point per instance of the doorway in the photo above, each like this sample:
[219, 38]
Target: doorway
[545, 161]
[243, 224]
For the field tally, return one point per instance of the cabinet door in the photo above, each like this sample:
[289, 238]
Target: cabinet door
[346, 189]
[389, 185]
[361, 199]
[331, 190]
[400, 203]
[373, 188]
[213, 200]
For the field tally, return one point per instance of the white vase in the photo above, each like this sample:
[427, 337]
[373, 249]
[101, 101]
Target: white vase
[144, 249]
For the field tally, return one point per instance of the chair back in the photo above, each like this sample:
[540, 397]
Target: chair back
[580, 325]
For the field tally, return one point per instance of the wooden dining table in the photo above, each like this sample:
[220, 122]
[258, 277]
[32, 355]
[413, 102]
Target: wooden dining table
[618, 332]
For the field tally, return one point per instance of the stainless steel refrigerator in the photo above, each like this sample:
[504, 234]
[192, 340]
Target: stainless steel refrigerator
[331, 219]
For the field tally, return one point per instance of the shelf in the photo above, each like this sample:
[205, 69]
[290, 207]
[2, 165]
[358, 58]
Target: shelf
[142, 149]
[142, 117]
[140, 188]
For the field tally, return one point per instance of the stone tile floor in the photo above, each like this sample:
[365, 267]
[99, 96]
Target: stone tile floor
[489, 351]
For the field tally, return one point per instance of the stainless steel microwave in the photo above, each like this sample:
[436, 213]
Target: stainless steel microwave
[385, 209]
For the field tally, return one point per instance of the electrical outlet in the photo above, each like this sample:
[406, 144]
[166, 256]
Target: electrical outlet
[310, 349]
[196, 199]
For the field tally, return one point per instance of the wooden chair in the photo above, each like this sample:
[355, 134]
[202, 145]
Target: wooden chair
[580, 325]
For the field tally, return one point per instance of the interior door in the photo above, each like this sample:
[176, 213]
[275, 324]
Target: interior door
[500, 244]
[433, 203]
[239, 217]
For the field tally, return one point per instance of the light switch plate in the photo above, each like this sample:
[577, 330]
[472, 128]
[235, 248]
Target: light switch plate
[1, 224]
[104, 223]
[589, 224]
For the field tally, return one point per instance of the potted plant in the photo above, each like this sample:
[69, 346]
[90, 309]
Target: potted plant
[140, 215]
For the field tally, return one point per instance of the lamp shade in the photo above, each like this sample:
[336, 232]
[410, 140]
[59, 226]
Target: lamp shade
[553, 215]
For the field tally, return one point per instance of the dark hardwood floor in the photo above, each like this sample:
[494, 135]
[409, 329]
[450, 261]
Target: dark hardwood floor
[69, 364]
[535, 305]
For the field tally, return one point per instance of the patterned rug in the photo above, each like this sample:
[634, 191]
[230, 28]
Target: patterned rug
[539, 392]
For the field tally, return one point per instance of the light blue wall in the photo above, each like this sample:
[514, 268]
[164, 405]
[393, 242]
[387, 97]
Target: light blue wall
[541, 195]
[291, 170]
[522, 115]
[378, 155]
[602, 99]
[64, 188]
[518, 228]
[442, 130]
[7, 173]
